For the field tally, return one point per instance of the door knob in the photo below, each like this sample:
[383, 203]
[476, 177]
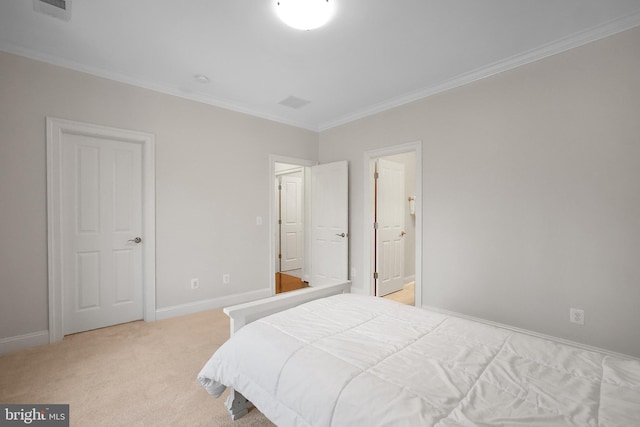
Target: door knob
[403, 233]
[341, 235]
[136, 240]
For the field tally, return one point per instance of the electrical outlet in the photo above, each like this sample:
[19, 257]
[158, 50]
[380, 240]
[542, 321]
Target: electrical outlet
[226, 279]
[195, 283]
[576, 315]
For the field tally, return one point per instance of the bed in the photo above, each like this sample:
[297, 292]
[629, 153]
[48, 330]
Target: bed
[350, 360]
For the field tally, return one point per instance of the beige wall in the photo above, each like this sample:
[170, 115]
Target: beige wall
[212, 180]
[531, 192]
[531, 189]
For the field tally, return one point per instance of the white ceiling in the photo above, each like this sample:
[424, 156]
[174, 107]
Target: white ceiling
[373, 55]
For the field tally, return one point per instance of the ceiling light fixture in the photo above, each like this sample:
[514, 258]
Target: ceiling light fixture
[304, 14]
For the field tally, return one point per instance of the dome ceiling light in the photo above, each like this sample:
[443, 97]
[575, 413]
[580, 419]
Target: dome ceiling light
[304, 14]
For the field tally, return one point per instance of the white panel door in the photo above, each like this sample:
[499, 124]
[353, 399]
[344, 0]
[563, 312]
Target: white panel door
[101, 205]
[390, 212]
[291, 216]
[329, 223]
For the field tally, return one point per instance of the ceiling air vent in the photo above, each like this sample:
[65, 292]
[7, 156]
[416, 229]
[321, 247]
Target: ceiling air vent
[60, 9]
[294, 102]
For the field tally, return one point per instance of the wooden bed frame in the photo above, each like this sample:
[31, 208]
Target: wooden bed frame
[243, 314]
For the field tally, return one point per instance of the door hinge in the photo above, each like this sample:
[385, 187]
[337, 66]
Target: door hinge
[279, 222]
[375, 225]
[376, 175]
[375, 275]
[280, 187]
[279, 256]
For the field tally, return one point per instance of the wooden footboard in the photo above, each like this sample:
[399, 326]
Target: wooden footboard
[243, 314]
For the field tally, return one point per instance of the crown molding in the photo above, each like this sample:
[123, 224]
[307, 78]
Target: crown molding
[567, 43]
[575, 40]
[145, 84]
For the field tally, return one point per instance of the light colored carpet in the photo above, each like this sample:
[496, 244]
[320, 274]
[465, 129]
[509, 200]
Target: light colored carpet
[136, 374]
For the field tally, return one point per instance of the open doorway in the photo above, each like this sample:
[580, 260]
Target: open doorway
[325, 238]
[289, 222]
[393, 222]
[290, 227]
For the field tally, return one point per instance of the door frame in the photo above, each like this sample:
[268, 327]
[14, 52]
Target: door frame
[368, 241]
[304, 163]
[55, 129]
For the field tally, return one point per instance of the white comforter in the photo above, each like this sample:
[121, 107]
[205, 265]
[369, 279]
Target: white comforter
[351, 360]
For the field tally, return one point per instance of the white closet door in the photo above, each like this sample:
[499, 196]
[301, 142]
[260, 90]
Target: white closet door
[101, 202]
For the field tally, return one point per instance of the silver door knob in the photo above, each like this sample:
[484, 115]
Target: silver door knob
[136, 240]
[341, 235]
[403, 233]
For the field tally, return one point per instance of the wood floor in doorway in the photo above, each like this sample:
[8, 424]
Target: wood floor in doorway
[286, 283]
[404, 295]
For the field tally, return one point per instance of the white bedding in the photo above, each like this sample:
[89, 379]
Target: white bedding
[352, 360]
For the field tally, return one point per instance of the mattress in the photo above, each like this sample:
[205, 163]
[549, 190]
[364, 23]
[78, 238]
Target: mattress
[351, 360]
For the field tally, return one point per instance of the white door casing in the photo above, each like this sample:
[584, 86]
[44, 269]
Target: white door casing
[329, 223]
[274, 249]
[276, 238]
[291, 215]
[391, 230]
[100, 193]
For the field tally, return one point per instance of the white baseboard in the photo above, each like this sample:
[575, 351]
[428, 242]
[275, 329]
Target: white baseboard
[35, 339]
[21, 342]
[209, 304]
[532, 333]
